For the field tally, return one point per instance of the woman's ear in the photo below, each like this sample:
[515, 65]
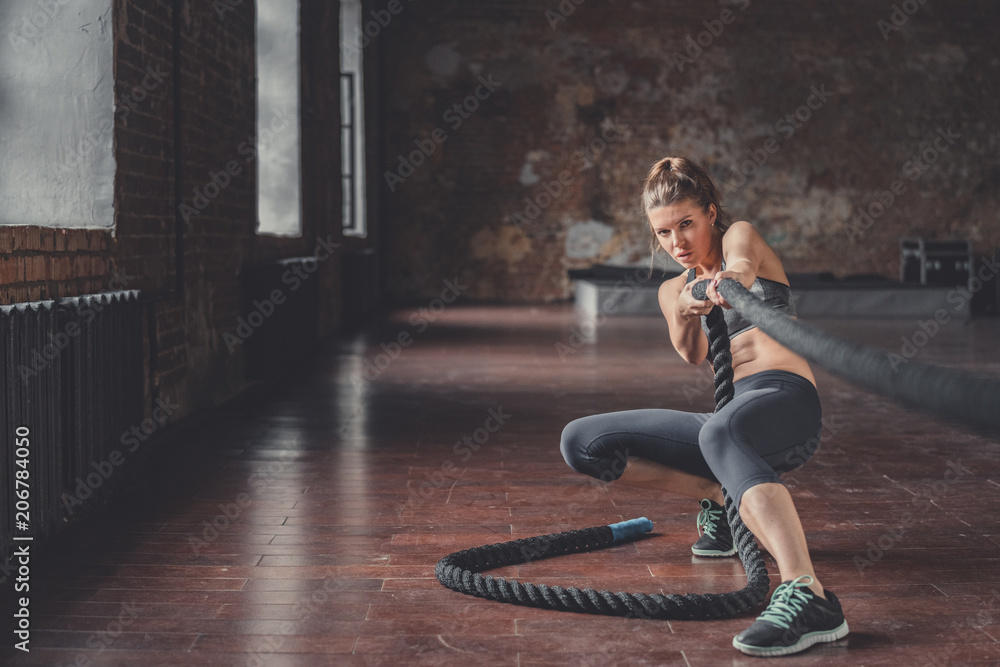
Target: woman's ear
[711, 213]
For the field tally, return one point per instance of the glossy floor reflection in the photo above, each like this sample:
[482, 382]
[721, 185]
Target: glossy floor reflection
[302, 528]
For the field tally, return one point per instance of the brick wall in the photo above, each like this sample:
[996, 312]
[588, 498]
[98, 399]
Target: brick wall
[714, 81]
[192, 365]
[41, 263]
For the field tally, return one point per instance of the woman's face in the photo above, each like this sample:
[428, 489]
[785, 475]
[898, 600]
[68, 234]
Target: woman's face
[685, 231]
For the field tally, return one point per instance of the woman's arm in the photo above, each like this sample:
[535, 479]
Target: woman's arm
[683, 314]
[746, 252]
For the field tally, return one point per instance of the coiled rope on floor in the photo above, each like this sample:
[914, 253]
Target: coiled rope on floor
[461, 570]
[971, 400]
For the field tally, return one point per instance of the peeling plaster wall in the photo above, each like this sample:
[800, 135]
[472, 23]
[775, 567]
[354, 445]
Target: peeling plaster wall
[803, 113]
[56, 113]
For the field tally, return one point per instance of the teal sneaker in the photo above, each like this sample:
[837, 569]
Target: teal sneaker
[716, 540]
[795, 619]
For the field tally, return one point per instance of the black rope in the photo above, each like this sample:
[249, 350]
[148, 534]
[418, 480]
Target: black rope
[965, 398]
[722, 358]
[460, 571]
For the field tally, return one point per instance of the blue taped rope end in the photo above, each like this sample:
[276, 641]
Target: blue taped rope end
[629, 530]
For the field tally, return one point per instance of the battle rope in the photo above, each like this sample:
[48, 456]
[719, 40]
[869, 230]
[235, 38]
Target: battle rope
[968, 399]
[722, 358]
[460, 570]
[954, 395]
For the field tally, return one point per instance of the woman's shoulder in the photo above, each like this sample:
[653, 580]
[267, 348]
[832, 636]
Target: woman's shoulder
[673, 286]
[769, 266]
[743, 227]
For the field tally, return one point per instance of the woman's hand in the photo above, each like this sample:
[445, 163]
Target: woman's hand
[689, 307]
[742, 277]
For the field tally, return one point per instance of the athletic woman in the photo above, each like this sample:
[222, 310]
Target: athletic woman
[770, 427]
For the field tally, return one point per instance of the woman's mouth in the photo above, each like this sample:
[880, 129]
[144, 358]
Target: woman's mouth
[683, 256]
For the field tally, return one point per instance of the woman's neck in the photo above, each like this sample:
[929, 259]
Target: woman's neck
[712, 263]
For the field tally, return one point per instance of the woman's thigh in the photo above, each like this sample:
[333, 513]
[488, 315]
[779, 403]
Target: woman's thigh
[772, 421]
[600, 445]
[762, 432]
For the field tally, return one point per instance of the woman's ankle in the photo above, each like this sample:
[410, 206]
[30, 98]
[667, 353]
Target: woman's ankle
[817, 589]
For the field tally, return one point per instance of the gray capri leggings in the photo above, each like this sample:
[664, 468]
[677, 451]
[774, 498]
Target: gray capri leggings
[771, 426]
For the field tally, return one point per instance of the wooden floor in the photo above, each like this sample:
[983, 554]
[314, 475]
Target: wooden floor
[303, 528]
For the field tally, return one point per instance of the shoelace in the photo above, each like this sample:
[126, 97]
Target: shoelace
[788, 600]
[708, 519]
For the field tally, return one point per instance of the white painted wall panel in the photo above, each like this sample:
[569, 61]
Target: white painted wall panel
[57, 167]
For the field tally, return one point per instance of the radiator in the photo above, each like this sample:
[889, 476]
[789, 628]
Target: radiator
[73, 382]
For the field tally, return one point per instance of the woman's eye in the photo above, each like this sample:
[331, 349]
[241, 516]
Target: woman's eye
[684, 224]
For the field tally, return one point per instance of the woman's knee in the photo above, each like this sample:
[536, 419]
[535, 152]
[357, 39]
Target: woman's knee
[737, 466]
[763, 486]
[715, 441]
[589, 452]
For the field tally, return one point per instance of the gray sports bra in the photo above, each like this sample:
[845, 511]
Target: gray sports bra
[775, 294]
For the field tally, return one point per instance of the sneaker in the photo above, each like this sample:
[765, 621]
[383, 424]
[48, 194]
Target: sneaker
[795, 619]
[716, 540]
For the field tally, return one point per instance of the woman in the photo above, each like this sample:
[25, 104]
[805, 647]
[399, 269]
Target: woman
[770, 426]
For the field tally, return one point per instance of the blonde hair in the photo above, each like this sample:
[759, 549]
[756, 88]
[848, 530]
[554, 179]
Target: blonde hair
[676, 179]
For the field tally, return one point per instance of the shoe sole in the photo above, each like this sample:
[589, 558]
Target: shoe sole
[805, 641]
[713, 554]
